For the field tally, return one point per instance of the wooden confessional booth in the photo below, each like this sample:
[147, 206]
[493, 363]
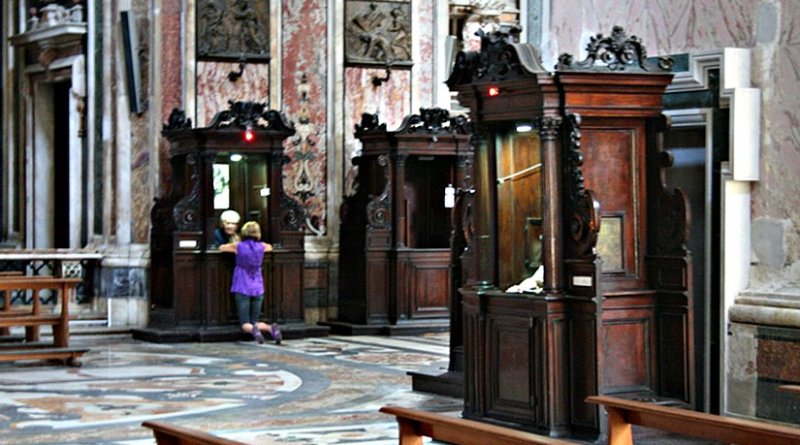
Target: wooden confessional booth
[396, 228]
[235, 163]
[568, 176]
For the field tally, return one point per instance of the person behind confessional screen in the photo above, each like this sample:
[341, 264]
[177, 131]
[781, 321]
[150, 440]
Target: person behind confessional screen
[247, 284]
[228, 224]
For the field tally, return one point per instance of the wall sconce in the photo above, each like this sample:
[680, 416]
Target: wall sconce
[449, 196]
[236, 157]
[233, 76]
[264, 191]
[378, 81]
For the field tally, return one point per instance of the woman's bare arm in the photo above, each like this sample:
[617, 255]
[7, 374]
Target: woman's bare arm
[229, 247]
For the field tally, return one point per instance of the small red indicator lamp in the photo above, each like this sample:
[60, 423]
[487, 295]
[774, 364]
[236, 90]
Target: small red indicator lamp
[249, 135]
[494, 91]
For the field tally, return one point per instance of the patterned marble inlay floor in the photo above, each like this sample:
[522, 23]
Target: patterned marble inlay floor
[310, 391]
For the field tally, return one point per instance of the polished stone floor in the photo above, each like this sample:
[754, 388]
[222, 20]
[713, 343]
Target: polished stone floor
[314, 391]
[311, 391]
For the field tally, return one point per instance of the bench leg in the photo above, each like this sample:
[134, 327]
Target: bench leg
[620, 432]
[31, 334]
[409, 434]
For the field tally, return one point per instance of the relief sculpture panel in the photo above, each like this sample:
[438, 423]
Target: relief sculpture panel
[378, 32]
[233, 29]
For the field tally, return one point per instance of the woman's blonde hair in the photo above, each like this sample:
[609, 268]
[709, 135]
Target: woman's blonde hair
[251, 230]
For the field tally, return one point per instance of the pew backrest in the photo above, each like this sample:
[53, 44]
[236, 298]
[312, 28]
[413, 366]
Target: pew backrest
[415, 424]
[168, 434]
[623, 413]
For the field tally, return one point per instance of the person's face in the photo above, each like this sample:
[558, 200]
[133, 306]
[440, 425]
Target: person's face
[229, 227]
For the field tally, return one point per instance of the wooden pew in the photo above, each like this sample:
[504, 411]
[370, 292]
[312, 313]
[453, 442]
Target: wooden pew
[167, 434]
[415, 424]
[623, 414]
[35, 315]
[791, 389]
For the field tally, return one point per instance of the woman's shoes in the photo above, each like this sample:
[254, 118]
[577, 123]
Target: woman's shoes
[276, 333]
[257, 336]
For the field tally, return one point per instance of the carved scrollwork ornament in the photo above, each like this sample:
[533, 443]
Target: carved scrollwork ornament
[247, 114]
[370, 123]
[293, 215]
[548, 127]
[582, 209]
[573, 155]
[617, 52]
[186, 213]
[177, 121]
[378, 207]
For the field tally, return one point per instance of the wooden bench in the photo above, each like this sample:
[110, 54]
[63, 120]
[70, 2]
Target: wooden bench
[167, 434]
[791, 389]
[34, 316]
[623, 414]
[415, 424]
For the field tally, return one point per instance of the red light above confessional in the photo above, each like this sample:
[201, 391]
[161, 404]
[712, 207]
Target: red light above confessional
[249, 135]
[494, 91]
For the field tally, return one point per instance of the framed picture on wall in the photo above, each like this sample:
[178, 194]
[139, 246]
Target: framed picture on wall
[378, 33]
[233, 30]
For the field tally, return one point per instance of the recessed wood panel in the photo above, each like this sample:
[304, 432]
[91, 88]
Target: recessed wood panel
[614, 171]
[431, 288]
[625, 343]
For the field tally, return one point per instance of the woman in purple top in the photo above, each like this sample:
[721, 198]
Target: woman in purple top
[247, 284]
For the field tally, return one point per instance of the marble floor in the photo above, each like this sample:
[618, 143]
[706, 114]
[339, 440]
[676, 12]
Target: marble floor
[314, 391]
[310, 391]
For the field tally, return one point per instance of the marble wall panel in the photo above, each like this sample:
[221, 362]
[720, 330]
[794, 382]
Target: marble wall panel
[665, 27]
[170, 73]
[142, 199]
[423, 73]
[391, 101]
[304, 92]
[777, 195]
[214, 89]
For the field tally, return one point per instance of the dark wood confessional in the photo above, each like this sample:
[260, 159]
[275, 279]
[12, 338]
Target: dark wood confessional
[568, 175]
[395, 233]
[190, 286]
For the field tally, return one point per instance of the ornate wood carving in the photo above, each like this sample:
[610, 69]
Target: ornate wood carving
[186, 214]
[433, 120]
[379, 207]
[617, 52]
[233, 29]
[499, 59]
[177, 121]
[378, 32]
[252, 115]
[370, 123]
[582, 209]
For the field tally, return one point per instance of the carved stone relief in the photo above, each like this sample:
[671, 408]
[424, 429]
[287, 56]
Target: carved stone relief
[378, 32]
[233, 29]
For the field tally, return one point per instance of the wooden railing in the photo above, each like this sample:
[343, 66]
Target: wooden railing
[167, 434]
[415, 424]
[34, 316]
[623, 414]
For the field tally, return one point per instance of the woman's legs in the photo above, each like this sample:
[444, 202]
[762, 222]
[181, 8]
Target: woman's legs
[244, 304]
[249, 310]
